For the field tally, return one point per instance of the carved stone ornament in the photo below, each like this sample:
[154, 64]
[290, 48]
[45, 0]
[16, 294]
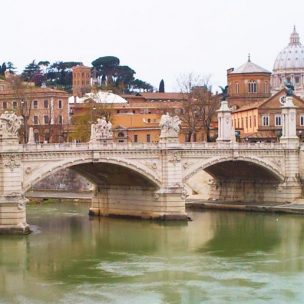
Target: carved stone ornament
[175, 158]
[10, 123]
[170, 126]
[28, 170]
[151, 165]
[12, 162]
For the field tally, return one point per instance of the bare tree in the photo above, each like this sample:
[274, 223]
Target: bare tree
[22, 101]
[199, 106]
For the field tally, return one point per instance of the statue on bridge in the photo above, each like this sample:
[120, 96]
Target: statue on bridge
[170, 126]
[10, 123]
[102, 130]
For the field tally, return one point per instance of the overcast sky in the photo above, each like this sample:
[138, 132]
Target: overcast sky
[157, 38]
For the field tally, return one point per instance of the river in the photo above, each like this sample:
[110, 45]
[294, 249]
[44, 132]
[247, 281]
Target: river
[219, 257]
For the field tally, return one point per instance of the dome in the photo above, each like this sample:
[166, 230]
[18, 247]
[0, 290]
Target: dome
[289, 65]
[292, 56]
[249, 67]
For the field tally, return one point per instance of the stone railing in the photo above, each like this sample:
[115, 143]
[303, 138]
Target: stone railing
[151, 146]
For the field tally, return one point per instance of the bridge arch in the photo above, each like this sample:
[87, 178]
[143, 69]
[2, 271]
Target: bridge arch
[265, 167]
[137, 171]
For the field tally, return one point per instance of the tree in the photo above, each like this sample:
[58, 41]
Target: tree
[10, 67]
[22, 93]
[2, 69]
[90, 112]
[139, 86]
[33, 73]
[106, 68]
[161, 86]
[124, 77]
[59, 74]
[199, 106]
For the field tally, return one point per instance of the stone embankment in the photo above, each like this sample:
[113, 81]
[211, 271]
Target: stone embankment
[296, 207]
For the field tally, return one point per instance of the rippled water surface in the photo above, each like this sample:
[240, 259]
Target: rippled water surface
[219, 257]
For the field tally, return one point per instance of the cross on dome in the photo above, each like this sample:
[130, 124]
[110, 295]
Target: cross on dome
[294, 37]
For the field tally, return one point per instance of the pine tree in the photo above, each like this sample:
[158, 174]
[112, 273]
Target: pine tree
[161, 86]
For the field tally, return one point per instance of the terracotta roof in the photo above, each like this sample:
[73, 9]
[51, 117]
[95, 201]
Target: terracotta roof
[250, 106]
[163, 96]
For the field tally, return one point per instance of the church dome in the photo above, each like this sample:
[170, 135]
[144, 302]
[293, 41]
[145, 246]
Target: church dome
[292, 56]
[289, 66]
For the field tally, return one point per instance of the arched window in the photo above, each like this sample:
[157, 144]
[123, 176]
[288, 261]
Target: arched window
[237, 88]
[252, 86]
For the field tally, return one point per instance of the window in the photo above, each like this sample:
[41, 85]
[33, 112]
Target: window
[252, 86]
[266, 87]
[237, 88]
[46, 119]
[36, 120]
[4, 105]
[35, 104]
[302, 120]
[60, 120]
[60, 104]
[135, 138]
[239, 125]
[14, 104]
[265, 120]
[120, 136]
[148, 138]
[36, 136]
[46, 103]
[297, 79]
[149, 120]
[278, 120]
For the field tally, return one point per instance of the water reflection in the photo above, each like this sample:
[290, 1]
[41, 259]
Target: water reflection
[218, 257]
[233, 234]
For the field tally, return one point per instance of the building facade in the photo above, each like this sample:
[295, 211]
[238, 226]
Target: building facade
[262, 120]
[81, 80]
[44, 109]
[247, 84]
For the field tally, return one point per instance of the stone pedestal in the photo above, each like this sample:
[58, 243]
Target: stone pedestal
[289, 123]
[226, 132]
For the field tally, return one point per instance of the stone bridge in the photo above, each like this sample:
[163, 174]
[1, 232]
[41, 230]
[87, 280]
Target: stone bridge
[148, 180]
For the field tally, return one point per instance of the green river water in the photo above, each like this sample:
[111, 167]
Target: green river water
[219, 257]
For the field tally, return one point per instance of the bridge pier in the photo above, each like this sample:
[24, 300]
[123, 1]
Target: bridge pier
[139, 202]
[12, 200]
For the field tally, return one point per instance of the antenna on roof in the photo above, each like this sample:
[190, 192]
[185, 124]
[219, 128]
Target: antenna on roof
[249, 57]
